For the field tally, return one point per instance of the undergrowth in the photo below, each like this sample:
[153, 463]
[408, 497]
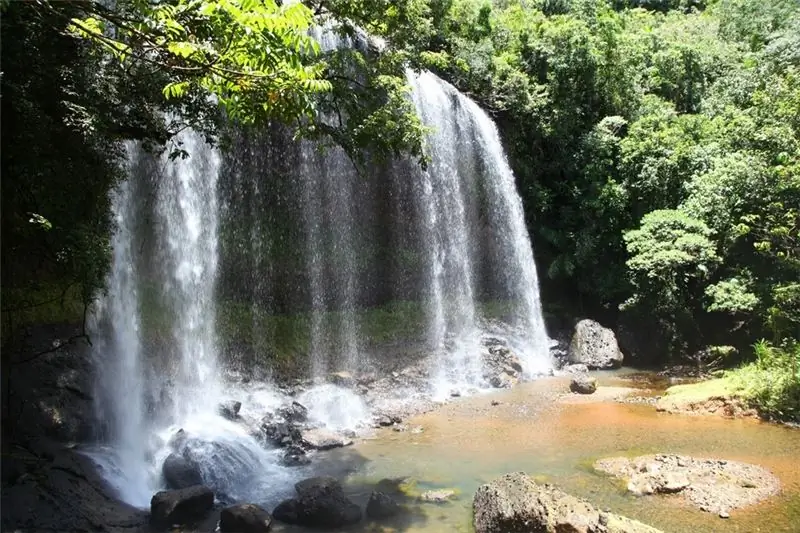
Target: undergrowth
[771, 383]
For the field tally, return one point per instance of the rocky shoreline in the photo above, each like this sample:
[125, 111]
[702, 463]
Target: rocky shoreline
[49, 486]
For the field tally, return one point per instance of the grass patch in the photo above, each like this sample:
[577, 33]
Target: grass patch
[697, 392]
[771, 383]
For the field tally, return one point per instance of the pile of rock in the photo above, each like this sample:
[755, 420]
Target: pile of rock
[289, 427]
[514, 502]
[322, 503]
[713, 485]
[502, 367]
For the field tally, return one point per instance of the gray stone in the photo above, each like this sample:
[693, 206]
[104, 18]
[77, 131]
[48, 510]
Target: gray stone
[583, 384]
[594, 346]
[293, 413]
[320, 503]
[183, 506]
[438, 496]
[515, 503]
[229, 409]
[323, 439]
[381, 506]
[180, 473]
[244, 518]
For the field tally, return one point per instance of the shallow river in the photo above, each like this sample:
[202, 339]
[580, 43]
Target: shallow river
[471, 441]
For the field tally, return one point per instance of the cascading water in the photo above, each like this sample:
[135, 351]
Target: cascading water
[158, 353]
[232, 257]
[468, 167]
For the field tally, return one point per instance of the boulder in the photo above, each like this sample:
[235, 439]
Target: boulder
[229, 409]
[280, 433]
[381, 506]
[503, 380]
[244, 518]
[180, 473]
[594, 346]
[183, 506]
[514, 502]
[49, 488]
[323, 439]
[320, 503]
[575, 369]
[437, 496]
[294, 413]
[288, 512]
[295, 456]
[583, 384]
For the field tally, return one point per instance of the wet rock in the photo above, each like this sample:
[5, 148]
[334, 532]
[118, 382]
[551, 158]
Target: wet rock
[294, 413]
[381, 506]
[180, 473]
[181, 506]
[437, 496]
[503, 381]
[400, 428]
[583, 384]
[323, 439]
[50, 396]
[295, 456]
[343, 379]
[244, 518]
[709, 484]
[229, 409]
[514, 502]
[288, 512]
[455, 393]
[723, 513]
[178, 439]
[320, 503]
[575, 369]
[49, 488]
[385, 420]
[496, 402]
[594, 346]
[280, 433]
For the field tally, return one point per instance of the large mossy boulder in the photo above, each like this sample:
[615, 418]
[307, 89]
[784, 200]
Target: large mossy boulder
[594, 346]
[514, 503]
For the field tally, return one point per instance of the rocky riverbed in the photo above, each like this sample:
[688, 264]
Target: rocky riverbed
[416, 462]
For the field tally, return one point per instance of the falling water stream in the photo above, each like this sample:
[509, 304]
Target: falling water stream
[228, 241]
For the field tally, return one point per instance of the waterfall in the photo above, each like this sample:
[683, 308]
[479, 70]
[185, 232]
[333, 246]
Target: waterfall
[275, 249]
[156, 328]
[468, 168]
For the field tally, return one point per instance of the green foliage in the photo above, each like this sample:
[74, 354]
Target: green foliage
[669, 248]
[771, 383]
[255, 56]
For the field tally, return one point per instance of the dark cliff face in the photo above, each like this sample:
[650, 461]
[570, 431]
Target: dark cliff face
[48, 413]
[50, 378]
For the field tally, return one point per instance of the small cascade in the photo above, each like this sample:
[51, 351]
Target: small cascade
[474, 227]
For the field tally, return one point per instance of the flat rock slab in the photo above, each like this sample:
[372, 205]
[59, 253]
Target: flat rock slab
[323, 439]
[438, 496]
[713, 485]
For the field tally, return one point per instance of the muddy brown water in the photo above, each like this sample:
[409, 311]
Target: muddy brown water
[556, 439]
